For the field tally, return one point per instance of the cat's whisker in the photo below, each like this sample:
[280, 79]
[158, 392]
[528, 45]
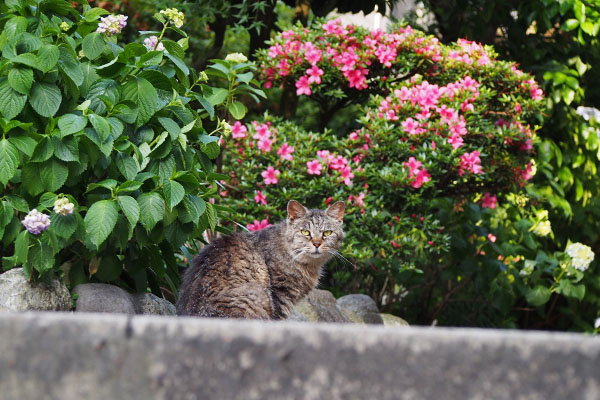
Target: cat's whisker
[339, 256]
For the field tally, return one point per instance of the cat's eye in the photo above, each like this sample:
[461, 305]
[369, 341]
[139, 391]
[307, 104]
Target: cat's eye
[305, 232]
[327, 233]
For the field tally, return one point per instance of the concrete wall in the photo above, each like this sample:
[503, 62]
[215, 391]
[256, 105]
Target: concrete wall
[100, 356]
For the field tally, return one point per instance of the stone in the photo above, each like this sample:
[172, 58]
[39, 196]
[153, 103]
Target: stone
[148, 303]
[71, 356]
[17, 294]
[360, 308]
[319, 306]
[392, 320]
[103, 298]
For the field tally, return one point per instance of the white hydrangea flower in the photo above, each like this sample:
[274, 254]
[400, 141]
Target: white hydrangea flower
[112, 24]
[543, 228]
[236, 58]
[588, 113]
[597, 323]
[174, 15]
[35, 222]
[63, 206]
[581, 255]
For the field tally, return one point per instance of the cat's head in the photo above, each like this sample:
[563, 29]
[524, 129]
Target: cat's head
[314, 234]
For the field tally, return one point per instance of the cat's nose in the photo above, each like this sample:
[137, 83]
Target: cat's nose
[316, 244]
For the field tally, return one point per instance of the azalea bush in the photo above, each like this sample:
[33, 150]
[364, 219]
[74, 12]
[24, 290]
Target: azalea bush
[435, 177]
[107, 154]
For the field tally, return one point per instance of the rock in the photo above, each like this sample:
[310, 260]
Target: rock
[17, 294]
[392, 320]
[318, 306]
[360, 308]
[147, 303]
[295, 315]
[101, 297]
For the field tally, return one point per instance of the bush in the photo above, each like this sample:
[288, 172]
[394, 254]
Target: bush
[106, 147]
[446, 141]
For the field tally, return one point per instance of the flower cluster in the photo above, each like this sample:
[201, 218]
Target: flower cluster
[581, 255]
[112, 24]
[35, 222]
[174, 16]
[237, 58]
[152, 43]
[63, 206]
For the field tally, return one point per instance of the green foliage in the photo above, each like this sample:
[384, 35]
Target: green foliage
[115, 141]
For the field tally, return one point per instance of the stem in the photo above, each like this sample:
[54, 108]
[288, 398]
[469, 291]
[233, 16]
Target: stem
[557, 280]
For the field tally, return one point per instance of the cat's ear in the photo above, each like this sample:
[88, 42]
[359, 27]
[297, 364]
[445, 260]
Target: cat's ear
[295, 210]
[336, 210]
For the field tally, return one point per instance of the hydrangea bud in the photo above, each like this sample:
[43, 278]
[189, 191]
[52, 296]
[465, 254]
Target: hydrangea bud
[174, 15]
[64, 26]
[226, 128]
[35, 222]
[236, 58]
[202, 77]
[63, 206]
[150, 43]
[112, 24]
[543, 228]
[581, 255]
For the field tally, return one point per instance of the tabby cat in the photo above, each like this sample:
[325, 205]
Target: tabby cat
[262, 274]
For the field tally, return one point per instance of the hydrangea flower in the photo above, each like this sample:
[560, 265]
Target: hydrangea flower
[543, 228]
[112, 24]
[64, 26]
[581, 255]
[35, 222]
[152, 43]
[236, 58]
[63, 206]
[174, 16]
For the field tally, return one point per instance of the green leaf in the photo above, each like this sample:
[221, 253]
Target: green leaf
[11, 101]
[93, 14]
[215, 96]
[130, 208]
[47, 57]
[30, 178]
[69, 64]
[193, 208]
[101, 126]
[173, 192]
[71, 123]
[17, 202]
[9, 161]
[25, 144]
[237, 109]
[129, 186]
[93, 45]
[206, 105]
[126, 112]
[538, 296]
[28, 59]
[152, 209]
[22, 247]
[41, 256]
[45, 98]
[171, 127]
[179, 64]
[43, 151]
[128, 167]
[20, 79]
[245, 77]
[212, 216]
[173, 48]
[100, 220]
[144, 95]
[14, 26]
[53, 174]
[63, 225]
[150, 59]
[62, 151]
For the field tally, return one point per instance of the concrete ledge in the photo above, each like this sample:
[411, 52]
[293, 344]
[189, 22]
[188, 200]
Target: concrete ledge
[99, 356]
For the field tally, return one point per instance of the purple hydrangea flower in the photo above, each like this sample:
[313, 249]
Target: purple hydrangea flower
[112, 25]
[35, 222]
[150, 43]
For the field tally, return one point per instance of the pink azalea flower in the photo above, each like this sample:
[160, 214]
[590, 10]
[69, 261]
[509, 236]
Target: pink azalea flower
[262, 131]
[264, 145]
[421, 178]
[314, 167]
[314, 74]
[303, 86]
[285, 152]
[260, 198]
[270, 175]
[492, 237]
[470, 162]
[324, 155]
[489, 201]
[412, 127]
[353, 135]
[338, 163]
[238, 130]
[347, 175]
[258, 225]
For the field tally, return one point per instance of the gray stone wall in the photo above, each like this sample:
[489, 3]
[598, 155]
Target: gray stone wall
[102, 356]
